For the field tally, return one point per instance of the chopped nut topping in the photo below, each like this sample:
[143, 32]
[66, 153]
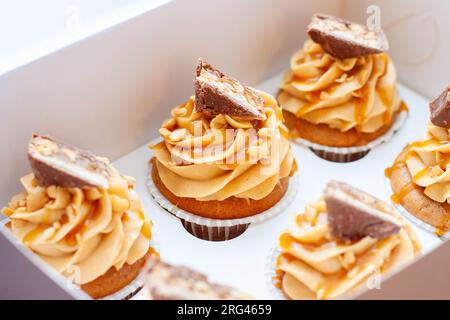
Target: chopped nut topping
[69, 154]
[178, 135]
[46, 147]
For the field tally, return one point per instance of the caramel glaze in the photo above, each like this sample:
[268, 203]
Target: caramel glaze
[407, 188]
[71, 238]
[360, 107]
[410, 186]
[278, 277]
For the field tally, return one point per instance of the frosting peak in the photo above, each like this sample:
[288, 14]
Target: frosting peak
[428, 162]
[215, 157]
[81, 232]
[315, 265]
[359, 93]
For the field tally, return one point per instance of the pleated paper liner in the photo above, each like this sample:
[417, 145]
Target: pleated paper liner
[272, 277]
[129, 290]
[413, 219]
[339, 154]
[218, 229]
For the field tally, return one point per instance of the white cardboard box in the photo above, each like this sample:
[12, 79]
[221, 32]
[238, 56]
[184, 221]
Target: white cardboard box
[110, 92]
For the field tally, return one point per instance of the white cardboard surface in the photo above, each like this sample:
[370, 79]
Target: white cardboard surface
[241, 262]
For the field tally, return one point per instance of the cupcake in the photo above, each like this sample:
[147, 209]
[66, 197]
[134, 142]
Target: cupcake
[420, 175]
[79, 215]
[341, 242]
[168, 282]
[225, 156]
[340, 95]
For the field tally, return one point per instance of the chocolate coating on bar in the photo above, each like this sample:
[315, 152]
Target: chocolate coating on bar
[354, 214]
[440, 109]
[57, 163]
[216, 93]
[345, 39]
[167, 282]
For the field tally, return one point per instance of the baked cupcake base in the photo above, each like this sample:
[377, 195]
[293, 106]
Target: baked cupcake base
[413, 198]
[115, 280]
[213, 221]
[324, 135]
[230, 208]
[335, 145]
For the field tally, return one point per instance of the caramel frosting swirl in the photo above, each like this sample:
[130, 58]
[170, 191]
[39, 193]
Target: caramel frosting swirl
[214, 158]
[428, 162]
[358, 93]
[81, 233]
[314, 265]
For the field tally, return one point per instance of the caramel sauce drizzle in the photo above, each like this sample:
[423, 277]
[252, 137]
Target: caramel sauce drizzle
[278, 278]
[146, 231]
[410, 186]
[439, 232]
[314, 98]
[361, 103]
[403, 107]
[395, 166]
[421, 174]
[404, 191]
[444, 162]
[35, 233]
[286, 240]
[387, 116]
[152, 252]
[360, 109]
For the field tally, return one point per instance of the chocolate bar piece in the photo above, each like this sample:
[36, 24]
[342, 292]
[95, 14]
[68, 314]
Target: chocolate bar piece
[344, 39]
[216, 93]
[167, 282]
[440, 109]
[57, 163]
[354, 214]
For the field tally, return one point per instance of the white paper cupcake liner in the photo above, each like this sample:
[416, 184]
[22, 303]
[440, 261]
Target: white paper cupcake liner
[271, 274]
[340, 154]
[128, 291]
[218, 229]
[412, 218]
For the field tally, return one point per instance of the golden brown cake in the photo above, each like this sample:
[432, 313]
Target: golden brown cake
[418, 180]
[420, 174]
[325, 135]
[114, 280]
[413, 198]
[224, 153]
[339, 243]
[230, 208]
[339, 95]
[79, 215]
